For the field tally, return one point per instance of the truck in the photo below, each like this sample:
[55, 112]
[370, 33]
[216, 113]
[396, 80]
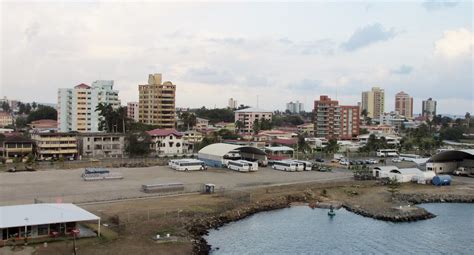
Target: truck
[463, 171]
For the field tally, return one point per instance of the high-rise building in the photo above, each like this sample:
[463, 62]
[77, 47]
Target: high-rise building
[428, 109]
[77, 106]
[247, 117]
[404, 104]
[157, 102]
[132, 110]
[333, 121]
[373, 102]
[296, 107]
[232, 103]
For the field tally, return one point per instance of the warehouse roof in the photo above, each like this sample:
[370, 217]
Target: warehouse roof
[452, 155]
[253, 109]
[279, 148]
[220, 149]
[39, 214]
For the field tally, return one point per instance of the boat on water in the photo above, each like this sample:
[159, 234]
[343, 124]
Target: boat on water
[331, 212]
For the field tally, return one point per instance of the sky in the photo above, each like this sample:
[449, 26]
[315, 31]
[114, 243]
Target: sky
[262, 54]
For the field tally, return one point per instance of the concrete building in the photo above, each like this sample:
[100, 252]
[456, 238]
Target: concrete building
[157, 102]
[333, 121]
[295, 107]
[428, 110]
[450, 160]
[55, 145]
[6, 119]
[133, 111]
[101, 145]
[373, 102]
[248, 117]
[77, 106]
[167, 142]
[44, 221]
[201, 123]
[390, 139]
[15, 146]
[307, 128]
[43, 126]
[232, 103]
[404, 104]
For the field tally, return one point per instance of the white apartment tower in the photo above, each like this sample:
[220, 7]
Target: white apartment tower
[373, 102]
[296, 107]
[132, 110]
[232, 103]
[429, 108]
[77, 106]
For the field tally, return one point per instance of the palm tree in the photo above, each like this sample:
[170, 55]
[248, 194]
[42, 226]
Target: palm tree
[239, 125]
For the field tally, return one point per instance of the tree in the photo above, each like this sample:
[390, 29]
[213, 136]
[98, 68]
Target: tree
[20, 122]
[112, 120]
[239, 125]
[363, 131]
[453, 133]
[27, 108]
[468, 118]
[34, 105]
[42, 112]
[5, 107]
[393, 186]
[189, 119]
[332, 146]
[302, 144]
[138, 144]
[265, 124]
[256, 126]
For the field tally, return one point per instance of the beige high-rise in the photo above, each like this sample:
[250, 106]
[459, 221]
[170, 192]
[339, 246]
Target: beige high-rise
[157, 102]
[373, 102]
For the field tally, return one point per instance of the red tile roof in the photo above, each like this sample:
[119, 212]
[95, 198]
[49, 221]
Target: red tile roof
[82, 86]
[284, 141]
[164, 132]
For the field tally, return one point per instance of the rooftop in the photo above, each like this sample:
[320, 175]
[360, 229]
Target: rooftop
[164, 132]
[253, 109]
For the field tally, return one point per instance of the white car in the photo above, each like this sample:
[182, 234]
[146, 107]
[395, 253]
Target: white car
[344, 162]
[396, 160]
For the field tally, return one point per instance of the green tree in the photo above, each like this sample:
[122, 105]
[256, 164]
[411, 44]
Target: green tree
[112, 120]
[393, 186]
[239, 125]
[20, 122]
[256, 126]
[138, 144]
[332, 146]
[452, 133]
[42, 112]
[189, 120]
[5, 107]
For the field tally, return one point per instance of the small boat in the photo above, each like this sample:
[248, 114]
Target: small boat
[331, 212]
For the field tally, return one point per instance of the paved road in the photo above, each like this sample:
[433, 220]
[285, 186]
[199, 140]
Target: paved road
[68, 186]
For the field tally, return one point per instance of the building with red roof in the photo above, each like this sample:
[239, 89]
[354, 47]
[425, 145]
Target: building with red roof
[167, 142]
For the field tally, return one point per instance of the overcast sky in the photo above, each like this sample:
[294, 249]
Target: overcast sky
[213, 51]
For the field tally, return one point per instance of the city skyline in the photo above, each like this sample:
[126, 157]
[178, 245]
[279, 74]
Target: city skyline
[63, 45]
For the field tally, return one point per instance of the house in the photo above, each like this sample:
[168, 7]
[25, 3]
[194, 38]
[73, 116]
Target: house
[15, 146]
[55, 145]
[6, 119]
[307, 128]
[201, 123]
[391, 139]
[167, 142]
[101, 145]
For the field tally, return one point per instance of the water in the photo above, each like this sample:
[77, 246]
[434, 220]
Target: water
[302, 230]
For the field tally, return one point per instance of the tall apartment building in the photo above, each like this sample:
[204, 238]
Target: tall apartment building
[334, 121]
[373, 102]
[232, 103]
[132, 110]
[404, 104]
[296, 107]
[249, 116]
[77, 106]
[428, 108]
[157, 102]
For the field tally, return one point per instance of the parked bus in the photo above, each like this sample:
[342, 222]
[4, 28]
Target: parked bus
[242, 165]
[188, 165]
[409, 157]
[287, 165]
[387, 153]
[305, 165]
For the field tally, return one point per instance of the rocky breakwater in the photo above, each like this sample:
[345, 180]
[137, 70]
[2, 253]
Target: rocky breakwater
[404, 213]
[419, 198]
[198, 228]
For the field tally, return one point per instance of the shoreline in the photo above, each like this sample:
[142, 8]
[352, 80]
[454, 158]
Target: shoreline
[198, 228]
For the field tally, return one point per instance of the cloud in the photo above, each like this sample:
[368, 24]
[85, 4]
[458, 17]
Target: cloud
[208, 75]
[403, 69]
[32, 31]
[432, 5]
[306, 85]
[228, 40]
[455, 43]
[323, 46]
[368, 35]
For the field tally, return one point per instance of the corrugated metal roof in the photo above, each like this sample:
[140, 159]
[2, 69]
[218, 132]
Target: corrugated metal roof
[279, 148]
[39, 214]
[452, 155]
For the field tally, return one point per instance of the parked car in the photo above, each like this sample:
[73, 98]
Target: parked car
[396, 160]
[372, 161]
[344, 162]
[319, 160]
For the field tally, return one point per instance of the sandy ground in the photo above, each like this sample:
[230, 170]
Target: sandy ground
[68, 186]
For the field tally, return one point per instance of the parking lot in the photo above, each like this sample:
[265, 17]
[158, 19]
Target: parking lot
[68, 186]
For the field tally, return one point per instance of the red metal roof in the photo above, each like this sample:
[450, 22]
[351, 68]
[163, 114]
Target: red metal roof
[164, 132]
[284, 141]
[82, 86]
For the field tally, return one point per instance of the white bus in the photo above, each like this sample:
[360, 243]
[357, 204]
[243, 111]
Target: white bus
[409, 157]
[387, 153]
[242, 165]
[188, 165]
[305, 165]
[287, 165]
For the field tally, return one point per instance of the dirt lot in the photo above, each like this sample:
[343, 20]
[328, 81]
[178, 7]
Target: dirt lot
[68, 186]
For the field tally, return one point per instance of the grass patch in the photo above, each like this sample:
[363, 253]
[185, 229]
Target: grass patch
[105, 233]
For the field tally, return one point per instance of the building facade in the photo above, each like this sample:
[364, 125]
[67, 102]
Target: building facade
[15, 146]
[157, 102]
[232, 103]
[77, 106]
[56, 145]
[334, 121]
[6, 119]
[167, 142]
[133, 111]
[404, 104]
[43, 126]
[429, 108]
[249, 116]
[373, 102]
[294, 107]
[101, 145]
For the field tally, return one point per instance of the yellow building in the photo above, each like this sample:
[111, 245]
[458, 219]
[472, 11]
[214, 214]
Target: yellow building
[157, 102]
[55, 145]
[373, 102]
[15, 146]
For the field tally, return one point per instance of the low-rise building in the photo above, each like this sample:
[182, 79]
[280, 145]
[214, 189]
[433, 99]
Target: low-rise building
[307, 128]
[167, 142]
[55, 145]
[102, 145]
[132, 110]
[6, 119]
[15, 146]
[201, 123]
[390, 139]
[44, 126]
